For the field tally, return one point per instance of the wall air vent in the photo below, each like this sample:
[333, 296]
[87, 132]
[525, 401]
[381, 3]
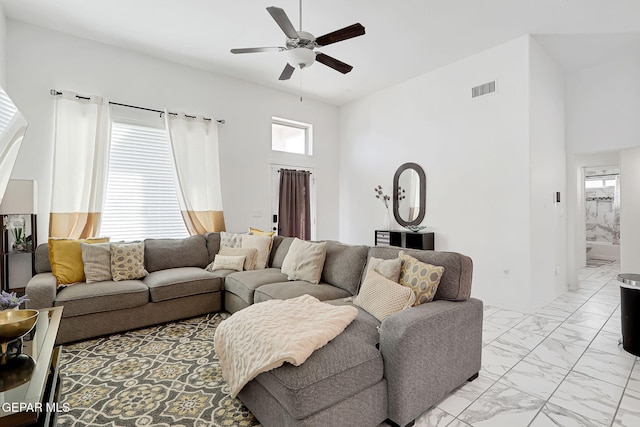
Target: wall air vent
[483, 89]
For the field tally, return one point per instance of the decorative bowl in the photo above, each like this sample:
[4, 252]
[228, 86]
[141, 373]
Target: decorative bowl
[15, 323]
[17, 370]
[415, 228]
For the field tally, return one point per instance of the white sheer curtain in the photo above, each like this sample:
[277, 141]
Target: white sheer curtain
[194, 143]
[80, 164]
[12, 128]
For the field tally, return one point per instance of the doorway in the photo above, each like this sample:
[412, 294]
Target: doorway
[602, 214]
[275, 196]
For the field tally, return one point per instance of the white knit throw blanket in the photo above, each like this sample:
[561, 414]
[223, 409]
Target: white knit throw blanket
[263, 336]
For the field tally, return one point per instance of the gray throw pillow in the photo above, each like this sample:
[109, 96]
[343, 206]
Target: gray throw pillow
[96, 259]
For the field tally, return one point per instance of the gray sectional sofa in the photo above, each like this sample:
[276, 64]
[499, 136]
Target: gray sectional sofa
[370, 373]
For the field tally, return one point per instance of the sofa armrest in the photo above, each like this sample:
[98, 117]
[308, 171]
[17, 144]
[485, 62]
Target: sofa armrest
[41, 291]
[428, 351]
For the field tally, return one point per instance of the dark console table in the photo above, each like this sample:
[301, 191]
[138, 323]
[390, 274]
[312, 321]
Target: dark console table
[31, 383]
[405, 239]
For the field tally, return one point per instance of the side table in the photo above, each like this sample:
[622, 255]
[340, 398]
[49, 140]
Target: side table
[35, 402]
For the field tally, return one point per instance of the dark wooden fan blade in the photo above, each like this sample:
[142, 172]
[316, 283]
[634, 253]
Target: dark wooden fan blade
[333, 63]
[281, 18]
[345, 33]
[257, 49]
[286, 73]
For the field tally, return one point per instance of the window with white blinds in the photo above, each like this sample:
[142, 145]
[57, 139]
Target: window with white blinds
[141, 200]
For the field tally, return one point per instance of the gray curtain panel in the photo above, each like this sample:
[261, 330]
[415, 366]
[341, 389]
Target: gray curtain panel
[294, 211]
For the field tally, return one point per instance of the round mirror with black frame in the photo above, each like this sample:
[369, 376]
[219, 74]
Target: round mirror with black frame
[409, 195]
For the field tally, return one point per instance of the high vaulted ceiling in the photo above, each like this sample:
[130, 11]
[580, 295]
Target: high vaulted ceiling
[403, 39]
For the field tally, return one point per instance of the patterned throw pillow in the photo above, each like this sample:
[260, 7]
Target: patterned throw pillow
[230, 240]
[127, 261]
[381, 297]
[421, 277]
[389, 268]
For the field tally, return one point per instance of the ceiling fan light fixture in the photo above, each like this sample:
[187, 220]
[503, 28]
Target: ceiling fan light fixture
[300, 57]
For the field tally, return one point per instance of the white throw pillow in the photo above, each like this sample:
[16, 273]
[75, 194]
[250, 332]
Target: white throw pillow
[381, 297]
[262, 244]
[305, 260]
[250, 255]
[389, 268]
[228, 262]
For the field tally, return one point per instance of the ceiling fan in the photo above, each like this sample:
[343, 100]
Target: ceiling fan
[300, 45]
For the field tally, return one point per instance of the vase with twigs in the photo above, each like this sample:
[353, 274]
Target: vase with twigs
[384, 198]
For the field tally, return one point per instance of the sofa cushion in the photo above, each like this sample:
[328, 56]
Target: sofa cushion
[181, 282]
[213, 245]
[42, 264]
[292, 289]
[344, 265]
[279, 250]
[244, 283]
[344, 367]
[455, 284]
[162, 254]
[98, 297]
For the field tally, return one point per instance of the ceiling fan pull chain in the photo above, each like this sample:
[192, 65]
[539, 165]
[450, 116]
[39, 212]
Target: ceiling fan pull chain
[301, 72]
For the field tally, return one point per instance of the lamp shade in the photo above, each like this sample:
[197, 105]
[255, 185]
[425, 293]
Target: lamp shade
[300, 57]
[20, 197]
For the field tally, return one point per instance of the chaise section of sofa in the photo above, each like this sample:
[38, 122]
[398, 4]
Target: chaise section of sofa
[340, 278]
[176, 287]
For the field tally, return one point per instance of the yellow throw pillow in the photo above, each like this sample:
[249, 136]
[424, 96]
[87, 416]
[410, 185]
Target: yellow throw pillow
[259, 232]
[65, 257]
[422, 278]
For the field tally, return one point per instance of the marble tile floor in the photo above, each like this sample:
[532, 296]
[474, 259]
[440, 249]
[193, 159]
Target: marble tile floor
[561, 366]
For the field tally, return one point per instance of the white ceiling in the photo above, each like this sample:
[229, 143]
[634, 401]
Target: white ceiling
[403, 39]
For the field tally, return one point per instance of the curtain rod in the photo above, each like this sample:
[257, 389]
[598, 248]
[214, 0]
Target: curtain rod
[296, 170]
[58, 93]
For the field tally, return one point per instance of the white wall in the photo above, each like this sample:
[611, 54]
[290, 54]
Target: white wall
[3, 45]
[630, 211]
[602, 110]
[475, 154]
[548, 175]
[39, 60]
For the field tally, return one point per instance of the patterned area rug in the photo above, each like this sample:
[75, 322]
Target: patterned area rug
[166, 375]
